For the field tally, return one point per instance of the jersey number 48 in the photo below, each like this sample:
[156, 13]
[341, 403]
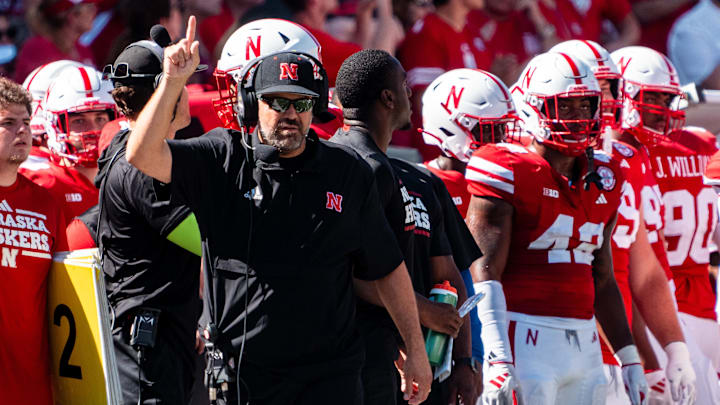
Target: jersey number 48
[556, 240]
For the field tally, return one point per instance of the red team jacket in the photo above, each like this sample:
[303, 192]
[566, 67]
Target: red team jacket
[690, 217]
[32, 228]
[556, 227]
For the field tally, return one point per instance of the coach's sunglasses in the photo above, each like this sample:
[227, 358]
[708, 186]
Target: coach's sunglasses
[122, 71]
[281, 104]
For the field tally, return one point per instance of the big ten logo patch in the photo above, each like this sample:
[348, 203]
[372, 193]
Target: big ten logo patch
[73, 197]
[409, 211]
[422, 217]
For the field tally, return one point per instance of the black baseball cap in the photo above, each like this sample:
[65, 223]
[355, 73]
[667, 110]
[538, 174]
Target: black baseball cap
[141, 61]
[288, 72]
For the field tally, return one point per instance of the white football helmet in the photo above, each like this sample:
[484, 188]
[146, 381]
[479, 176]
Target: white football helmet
[251, 41]
[464, 108]
[646, 70]
[547, 79]
[599, 60]
[76, 90]
[37, 83]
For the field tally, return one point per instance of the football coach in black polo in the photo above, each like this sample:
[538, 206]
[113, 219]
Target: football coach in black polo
[286, 222]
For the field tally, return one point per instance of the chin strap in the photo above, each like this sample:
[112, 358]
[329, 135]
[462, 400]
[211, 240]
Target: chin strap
[591, 176]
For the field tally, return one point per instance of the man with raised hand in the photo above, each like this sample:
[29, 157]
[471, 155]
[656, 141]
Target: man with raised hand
[278, 190]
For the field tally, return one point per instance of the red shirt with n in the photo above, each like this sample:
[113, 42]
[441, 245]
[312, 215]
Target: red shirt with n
[654, 34]
[67, 185]
[431, 48]
[574, 19]
[32, 228]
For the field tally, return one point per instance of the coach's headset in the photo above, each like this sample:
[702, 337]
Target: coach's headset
[246, 107]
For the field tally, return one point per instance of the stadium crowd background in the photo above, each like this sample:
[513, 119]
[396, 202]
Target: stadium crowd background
[502, 36]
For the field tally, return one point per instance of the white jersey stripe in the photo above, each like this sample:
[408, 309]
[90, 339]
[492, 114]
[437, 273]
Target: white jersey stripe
[474, 175]
[34, 214]
[36, 254]
[490, 167]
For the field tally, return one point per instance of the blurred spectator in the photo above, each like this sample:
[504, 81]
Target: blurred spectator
[694, 49]
[369, 23]
[58, 24]
[514, 31]
[693, 45]
[8, 48]
[441, 41]
[312, 14]
[411, 11]
[125, 22]
[215, 29]
[582, 19]
[656, 17]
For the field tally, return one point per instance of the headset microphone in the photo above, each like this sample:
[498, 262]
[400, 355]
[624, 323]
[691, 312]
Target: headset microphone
[160, 35]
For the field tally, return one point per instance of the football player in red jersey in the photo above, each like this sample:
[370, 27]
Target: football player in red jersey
[462, 109]
[677, 159]
[32, 228]
[37, 84]
[640, 278]
[76, 108]
[543, 216]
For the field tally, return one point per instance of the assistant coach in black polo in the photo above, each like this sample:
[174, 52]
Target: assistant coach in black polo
[294, 218]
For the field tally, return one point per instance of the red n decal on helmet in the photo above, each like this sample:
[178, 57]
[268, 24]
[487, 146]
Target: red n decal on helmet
[254, 46]
[455, 97]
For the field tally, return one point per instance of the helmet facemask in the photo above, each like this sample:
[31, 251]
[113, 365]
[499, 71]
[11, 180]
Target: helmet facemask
[570, 136]
[227, 99]
[654, 118]
[78, 148]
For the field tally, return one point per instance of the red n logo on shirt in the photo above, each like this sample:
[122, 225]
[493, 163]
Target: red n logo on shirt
[288, 71]
[255, 47]
[334, 202]
[455, 96]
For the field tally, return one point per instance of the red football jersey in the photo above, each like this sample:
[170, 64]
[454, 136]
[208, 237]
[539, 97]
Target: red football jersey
[456, 185]
[32, 228]
[690, 217]
[628, 222]
[75, 191]
[654, 213]
[556, 227]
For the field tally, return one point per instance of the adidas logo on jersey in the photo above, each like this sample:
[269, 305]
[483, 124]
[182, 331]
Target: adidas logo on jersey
[4, 206]
[601, 199]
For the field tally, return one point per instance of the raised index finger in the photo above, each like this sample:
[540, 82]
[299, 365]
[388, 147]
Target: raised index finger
[190, 33]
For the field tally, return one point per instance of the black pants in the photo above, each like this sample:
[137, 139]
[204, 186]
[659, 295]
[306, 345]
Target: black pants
[260, 387]
[379, 375]
[164, 377]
